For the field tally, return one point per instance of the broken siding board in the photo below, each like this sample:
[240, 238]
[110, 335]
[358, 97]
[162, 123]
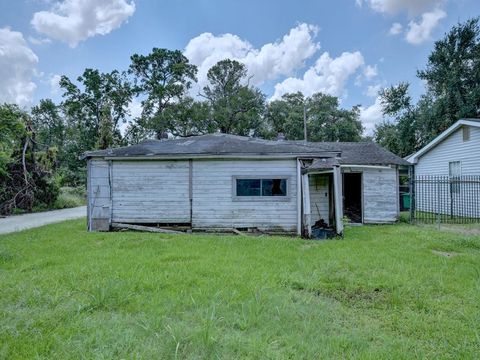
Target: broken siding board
[99, 195]
[151, 191]
[213, 195]
[380, 193]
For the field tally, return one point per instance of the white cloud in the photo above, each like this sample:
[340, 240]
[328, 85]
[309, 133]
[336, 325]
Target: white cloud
[328, 75]
[370, 72]
[280, 58]
[412, 7]
[17, 68]
[371, 116]
[396, 29]
[419, 32]
[39, 41]
[55, 84]
[372, 90]
[72, 21]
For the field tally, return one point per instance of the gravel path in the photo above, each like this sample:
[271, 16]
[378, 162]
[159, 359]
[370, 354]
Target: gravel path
[28, 221]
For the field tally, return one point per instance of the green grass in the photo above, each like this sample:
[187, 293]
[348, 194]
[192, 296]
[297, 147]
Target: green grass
[382, 292]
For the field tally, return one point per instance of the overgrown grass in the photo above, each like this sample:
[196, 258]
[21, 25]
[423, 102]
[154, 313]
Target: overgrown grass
[69, 197]
[382, 292]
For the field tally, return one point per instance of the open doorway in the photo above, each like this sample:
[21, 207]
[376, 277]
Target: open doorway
[352, 197]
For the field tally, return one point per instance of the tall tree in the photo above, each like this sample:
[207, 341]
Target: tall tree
[237, 108]
[86, 107]
[188, 117]
[452, 74]
[285, 115]
[162, 77]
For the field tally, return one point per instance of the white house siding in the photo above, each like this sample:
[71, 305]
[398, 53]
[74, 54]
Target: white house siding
[150, 191]
[445, 198]
[319, 198]
[214, 205]
[98, 195]
[380, 195]
[453, 148]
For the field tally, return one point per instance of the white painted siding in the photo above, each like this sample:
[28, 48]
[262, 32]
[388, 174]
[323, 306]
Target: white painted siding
[151, 191]
[319, 198]
[215, 207]
[98, 195]
[453, 148]
[445, 198]
[380, 195]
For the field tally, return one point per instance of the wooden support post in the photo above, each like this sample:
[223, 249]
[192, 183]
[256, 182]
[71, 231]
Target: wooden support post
[338, 195]
[299, 198]
[306, 206]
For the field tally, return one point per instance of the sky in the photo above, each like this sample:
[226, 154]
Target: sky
[346, 48]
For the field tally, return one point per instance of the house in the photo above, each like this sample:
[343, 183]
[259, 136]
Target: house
[447, 173]
[224, 182]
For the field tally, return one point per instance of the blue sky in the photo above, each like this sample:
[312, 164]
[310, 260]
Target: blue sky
[348, 48]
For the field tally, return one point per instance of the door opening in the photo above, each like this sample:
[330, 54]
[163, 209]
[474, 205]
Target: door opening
[352, 197]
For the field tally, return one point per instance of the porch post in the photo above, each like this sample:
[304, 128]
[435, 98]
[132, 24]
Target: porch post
[299, 198]
[306, 205]
[338, 197]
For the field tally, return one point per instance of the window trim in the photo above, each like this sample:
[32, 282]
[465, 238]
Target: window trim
[286, 198]
[466, 133]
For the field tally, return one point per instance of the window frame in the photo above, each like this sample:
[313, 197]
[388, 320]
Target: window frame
[466, 133]
[455, 186]
[285, 198]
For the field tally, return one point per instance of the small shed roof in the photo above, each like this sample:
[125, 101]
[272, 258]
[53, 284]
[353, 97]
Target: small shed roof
[224, 145]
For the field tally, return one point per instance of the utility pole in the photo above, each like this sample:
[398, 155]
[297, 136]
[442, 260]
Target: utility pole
[304, 122]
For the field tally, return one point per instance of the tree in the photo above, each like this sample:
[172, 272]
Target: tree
[452, 74]
[163, 77]
[49, 124]
[286, 116]
[326, 121]
[236, 107]
[188, 117]
[24, 180]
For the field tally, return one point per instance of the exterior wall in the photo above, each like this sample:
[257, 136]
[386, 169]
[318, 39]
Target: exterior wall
[214, 205]
[379, 195]
[98, 189]
[442, 197]
[319, 198]
[453, 148]
[150, 191]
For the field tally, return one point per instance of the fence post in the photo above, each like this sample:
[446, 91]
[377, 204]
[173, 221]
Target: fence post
[411, 188]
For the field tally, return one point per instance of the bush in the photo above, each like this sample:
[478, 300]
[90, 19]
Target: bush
[70, 197]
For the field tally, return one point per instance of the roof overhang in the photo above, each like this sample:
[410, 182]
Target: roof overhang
[413, 159]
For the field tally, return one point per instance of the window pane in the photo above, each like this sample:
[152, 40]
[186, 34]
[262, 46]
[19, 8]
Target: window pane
[248, 187]
[274, 187]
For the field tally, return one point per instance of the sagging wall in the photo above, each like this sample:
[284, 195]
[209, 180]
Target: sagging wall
[214, 205]
[380, 195]
[98, 192]
[158, 192]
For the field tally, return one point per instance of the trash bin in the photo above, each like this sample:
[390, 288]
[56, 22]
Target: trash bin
[406, 201]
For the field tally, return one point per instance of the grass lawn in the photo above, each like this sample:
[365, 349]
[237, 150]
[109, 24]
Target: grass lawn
[382, 292]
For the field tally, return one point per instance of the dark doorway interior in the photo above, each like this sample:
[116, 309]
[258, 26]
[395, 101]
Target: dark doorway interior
[352, 196]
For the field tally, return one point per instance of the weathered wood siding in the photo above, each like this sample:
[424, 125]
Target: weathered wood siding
[151, 191]
[214, 205]
[98, 184]
[319, 198]
[380, 195]
[453, 148]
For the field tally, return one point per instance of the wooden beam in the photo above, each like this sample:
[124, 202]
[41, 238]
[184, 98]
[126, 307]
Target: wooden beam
[306, 205]
[338, 199]
[299, 198]
[144, 228]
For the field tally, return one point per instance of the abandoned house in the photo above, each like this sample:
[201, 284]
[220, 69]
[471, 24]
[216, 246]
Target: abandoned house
[222, 182]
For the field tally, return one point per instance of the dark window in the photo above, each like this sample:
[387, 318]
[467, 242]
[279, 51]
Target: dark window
[466, 133]
[261, 187]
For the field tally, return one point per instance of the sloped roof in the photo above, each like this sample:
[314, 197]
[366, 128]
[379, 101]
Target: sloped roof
[469, 122]
[223, 145]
